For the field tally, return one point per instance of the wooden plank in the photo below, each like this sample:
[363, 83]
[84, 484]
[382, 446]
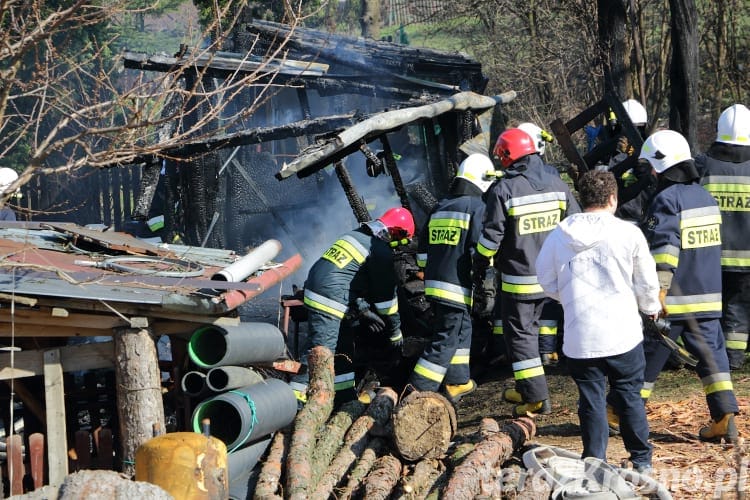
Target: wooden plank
[54, 316]
[54, 395]
[13, 445]
[72, 358]
[83, 449]
[36, 458]
[104, 449]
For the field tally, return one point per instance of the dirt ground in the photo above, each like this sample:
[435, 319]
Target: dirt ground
[688, 467]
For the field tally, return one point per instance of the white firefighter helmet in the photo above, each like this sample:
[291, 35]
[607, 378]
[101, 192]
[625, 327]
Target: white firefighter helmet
[665, 148]
[7, 177]
[536, 133]
[636, 112]
[734, 126]
[474, 169]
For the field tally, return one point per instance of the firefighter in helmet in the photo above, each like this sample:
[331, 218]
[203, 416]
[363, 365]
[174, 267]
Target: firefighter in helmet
[523, 206]
[682, 227]
[725, 173]
[354, 279]
[445, 247]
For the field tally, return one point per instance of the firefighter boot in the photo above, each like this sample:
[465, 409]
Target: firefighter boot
[512, 396]
[613, 420]
[538, 408]
[723, 429]
[457, 391]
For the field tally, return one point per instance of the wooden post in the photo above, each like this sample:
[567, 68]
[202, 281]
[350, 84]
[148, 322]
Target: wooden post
[139, 399]
[54, 398]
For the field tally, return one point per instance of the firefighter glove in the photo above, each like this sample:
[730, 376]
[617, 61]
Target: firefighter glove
[372, 321]
[624, 146]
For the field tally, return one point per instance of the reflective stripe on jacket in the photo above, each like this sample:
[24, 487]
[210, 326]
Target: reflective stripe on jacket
[522, 208]
[683, 229]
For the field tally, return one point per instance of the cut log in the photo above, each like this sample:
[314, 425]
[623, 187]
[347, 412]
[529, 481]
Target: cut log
[423, 425]
[479, 466]
[421, 479]
[384, 476]
[309, 421]
[332, 437]
[365, 463]
[533, 487]
[269, 477]
[356, 440]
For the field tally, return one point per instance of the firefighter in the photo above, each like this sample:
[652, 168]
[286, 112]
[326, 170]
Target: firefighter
[445, 246]
[635, 185]
[523, 206]
[725, 173]
[682, 227]
[550, 323]
[354, 279]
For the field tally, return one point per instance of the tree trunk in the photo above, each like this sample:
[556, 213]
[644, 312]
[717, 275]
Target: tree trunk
[270, 473]
[365, 463]
[139, 399]
[423, 425]
[356, 440]
[382, 479]
[612, 22]
[332, 436]
[370, 20]
[479, 466]
[309, 420]
[683, 109]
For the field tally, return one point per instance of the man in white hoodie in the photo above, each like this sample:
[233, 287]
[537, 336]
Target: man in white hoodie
[600, 269]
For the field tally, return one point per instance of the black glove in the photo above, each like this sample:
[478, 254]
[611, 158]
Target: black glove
[483, 304]
[373, 322]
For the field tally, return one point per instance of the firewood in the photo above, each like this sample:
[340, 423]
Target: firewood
[270, 473]
[382, 479]
[355, 441]
[423, 425]
[533, 487]
[320, 394]
[420, 480]
[332, 436]
[365, 463]
[479, 466]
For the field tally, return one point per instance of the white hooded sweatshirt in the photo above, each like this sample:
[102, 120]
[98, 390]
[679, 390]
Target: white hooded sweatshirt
[600, 269]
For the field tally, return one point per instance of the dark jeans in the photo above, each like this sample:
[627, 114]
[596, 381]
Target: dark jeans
[625, 375]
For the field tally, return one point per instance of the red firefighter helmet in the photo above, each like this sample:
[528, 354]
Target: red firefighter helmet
[512, 145]
[399, 222]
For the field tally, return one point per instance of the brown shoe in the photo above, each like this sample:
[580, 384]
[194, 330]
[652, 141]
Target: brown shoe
[722, 430]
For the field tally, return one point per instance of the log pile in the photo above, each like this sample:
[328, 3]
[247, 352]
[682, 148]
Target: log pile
[390, 448]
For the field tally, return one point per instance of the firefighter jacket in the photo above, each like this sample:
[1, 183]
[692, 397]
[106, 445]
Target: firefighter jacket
[725, 173]
[446, 244]
[522, 208]
[683, 229]
[357, 266]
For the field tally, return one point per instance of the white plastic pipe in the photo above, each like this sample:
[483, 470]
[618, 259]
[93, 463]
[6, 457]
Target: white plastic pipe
[247, 265]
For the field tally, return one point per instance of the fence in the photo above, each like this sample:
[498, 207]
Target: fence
[85, 196]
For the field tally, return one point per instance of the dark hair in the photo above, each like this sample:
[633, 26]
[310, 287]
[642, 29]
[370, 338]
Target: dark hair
[595, 187]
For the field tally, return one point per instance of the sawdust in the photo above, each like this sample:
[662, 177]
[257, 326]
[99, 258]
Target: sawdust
[688, 467]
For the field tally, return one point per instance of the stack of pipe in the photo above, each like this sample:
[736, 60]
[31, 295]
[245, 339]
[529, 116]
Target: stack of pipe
[244, 408]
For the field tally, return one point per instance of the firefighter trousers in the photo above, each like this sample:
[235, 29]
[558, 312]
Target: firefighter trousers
[550, 329]
[704, 340]
[736, 317]
[521, 320]
[446, 358]
[330, 332]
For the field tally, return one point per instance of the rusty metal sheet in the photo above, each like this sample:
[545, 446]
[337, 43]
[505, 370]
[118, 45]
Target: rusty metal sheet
[112, 240]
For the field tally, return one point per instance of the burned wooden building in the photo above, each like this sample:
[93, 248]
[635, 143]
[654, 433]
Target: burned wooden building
[379, 119]
[342, 129]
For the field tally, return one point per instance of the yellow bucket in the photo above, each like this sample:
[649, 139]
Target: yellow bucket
[188, 465]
